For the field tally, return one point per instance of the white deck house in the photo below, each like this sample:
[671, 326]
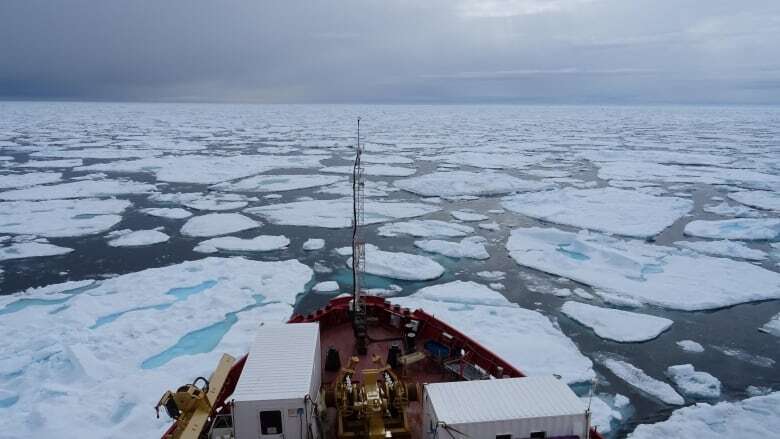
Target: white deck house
[281, 378]
[512, 408]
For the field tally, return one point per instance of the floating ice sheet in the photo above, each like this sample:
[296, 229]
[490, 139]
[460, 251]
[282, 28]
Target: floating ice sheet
[168, 212]
[638, 379]
[31, 249]
[215, 224]
[398, 265]
[338, 213]
[262, 243]
[425, 229]
[772, 326]
[726, 248]
[467, 216]
[455, 183]
[694, 383]
[624, 212]
[657, 275]
[690, 346]
[377, 170]
[740, 228]
[615, 324]
[60, 218]
[28, 179]
[767, 200]
[313, 244]
[137, 238]
[277, 183]
[78, 189]
[471, 247]
[464, 293]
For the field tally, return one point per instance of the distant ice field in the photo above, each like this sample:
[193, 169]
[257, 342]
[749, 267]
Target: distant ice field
[636, 249]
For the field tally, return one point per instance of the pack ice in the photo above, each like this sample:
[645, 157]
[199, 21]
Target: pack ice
[215, 224]
[619, 211]
[455, 183]
[615, 324]
[472, 247]
[111, 348]
[60, 218]
[653, 274]
[398, 265]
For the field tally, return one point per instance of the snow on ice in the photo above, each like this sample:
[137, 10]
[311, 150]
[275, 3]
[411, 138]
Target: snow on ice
[464, 293]
[215, 224]
[471, 247]
[398, 265]
[624, 212]
[261, 243]
[425, 229]
[693, 383]
[615, 324]
[724, 247]
[137, 238]
[638, 379]
[167, 212]
[657, 275]
[739, 228]
[455, 183]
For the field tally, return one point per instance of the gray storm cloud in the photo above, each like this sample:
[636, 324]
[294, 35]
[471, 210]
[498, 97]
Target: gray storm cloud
[705, 51]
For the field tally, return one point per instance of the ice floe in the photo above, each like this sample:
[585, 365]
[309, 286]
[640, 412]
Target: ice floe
[747, 357]
[31, 249]
[338, 213]
[615, 324]
[740, 228]
[110, 351]
[690, 346]
[766, 200]
[28, 179]
[262, 243]
[657, 275]
[611, 210]
[277, 183]
[463, 292]
[724, 247]
[772, 326]
[66, 163]
[471, 247]
[328, 287]
[638, 379]
[463, 215]
[96, 153]
[376, 170]
[215, 224]
[725, 209]
[60, 218]
[314, 244]
[206, 202]
[136, 238]
[398, 265]
[693, 383]
[371, 188]
[757, 417]
[455, 183]
[168, 212]
[425, 229]
[645, 171]
[78, 189]
[607, 411]
[493, 227]
[492, 275]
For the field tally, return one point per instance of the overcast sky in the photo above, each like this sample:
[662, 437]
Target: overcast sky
[555, 51]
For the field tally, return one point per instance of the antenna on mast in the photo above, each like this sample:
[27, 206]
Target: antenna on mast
[359, 317]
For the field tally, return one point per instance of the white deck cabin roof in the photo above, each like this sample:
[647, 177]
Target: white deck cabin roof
[503, 399]
[280, 364]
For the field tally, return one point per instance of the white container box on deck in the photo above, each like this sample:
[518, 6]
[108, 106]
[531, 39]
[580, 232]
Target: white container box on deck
[281, 378]
[516, 408]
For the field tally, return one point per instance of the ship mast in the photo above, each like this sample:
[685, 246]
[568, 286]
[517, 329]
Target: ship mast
[359, 318]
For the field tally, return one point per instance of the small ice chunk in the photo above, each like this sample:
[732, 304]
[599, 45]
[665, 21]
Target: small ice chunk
[772, 326]
[624, 212]
[215, 224]
[724, 209]
[31, 249]
[690, 346]
[739, 228]
[497, 286]
[757, 417]
[583, 294]
[137, 238]
[694, 383]
[766, 200]
[399, 265]
[618, 299]
[492, 275]
[330, 286]
[562, 292]
[463, 215]
[758, 390]
[468, 293]
[168, 212]
[425, 229]
[638, 379]
[457, 183]
[262, 243]
[606, 411]
[493, 227]
[314, 244]
[471, 247]
[732, 249]
[390, 291]
[615, 324]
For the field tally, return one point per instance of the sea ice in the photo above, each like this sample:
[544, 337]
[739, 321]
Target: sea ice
[492, 275]
[766, 200]
[205, 202]
[471, 247]
[455, 183]
[772, 326]
[657, 275]
[739, 228]
[757, 417]
[327, 287]
[729, 249]
[745, 356]
[526, 339]
[261, 243]
[426, 229]
[137, 238]
[371, 188]
[399, 265]
[615, 324]
[277, 183]
[645, 171]
[725, 209]
[493, 160]
[31, 249]
[78, 189]
[607, 411]
[493, 227]
[638, 379]
[463, 215]
[28, 179]
[337, 213]
[694, 383]
[314, 244]
[167, 212]
[60, 218]
[102, 152]
[377, 170]
[215, 224]
[66, 163]
[460, 292]
[690, 346]
[624, 212]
